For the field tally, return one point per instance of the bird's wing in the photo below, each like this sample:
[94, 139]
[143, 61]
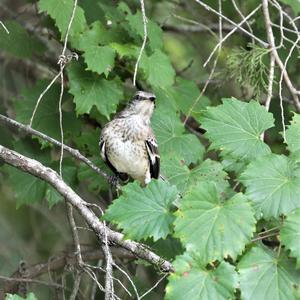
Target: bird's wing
[153, 156]
[122, 176]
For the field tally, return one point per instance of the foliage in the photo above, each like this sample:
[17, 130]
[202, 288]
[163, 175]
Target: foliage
[30, 296]
[247, 67]
[225, 188]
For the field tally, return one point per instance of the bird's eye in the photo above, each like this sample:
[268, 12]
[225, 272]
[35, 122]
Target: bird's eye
[152, 99]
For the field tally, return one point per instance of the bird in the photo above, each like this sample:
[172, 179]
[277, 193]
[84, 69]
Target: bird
[128, 144]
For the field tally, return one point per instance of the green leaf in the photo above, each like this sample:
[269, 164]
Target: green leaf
[88, 142]
[128, 50]
[30, 296]
[273, 184]
[100, 59]
[95, 35]
[173, 141]
[95, 182]
[213, 228]
[193, 281]
[69, 175]
[18, 42]
[167, 248]
[187, 97]
[293, 134]
[290, 234]
[46, 118]
[61, 12]
[235, 127]
[89, 89]
[263, 275]
[27, 188]
[136, 27]
[178, 173]
[294, 4]
[144, 212]
[158, 69]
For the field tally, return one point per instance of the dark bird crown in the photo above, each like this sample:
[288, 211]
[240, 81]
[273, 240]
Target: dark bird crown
[141, 95]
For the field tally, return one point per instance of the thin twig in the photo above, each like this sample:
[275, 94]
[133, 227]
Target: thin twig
[144, 41]
[28, 280]
[130, 280]
[109, 283]
[74, 152]
[61, 118]
[69, 27]
[4, 27]
[76, 285]
[259, 238]
[213, 68]
[156, 284]
[48, 175]
[243, 17]
[229, 34]
[209, 8]
[278, 60]
[270, 86]
[41, 97]
[269, 230]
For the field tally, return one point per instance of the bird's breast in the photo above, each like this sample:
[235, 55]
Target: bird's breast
[128, 156]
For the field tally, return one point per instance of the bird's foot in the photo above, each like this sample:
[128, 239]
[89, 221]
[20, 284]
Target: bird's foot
[114, 181]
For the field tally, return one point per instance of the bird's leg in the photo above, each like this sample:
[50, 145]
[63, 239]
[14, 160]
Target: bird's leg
[114, 180]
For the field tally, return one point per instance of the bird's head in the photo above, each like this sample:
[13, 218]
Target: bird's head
[143, 103]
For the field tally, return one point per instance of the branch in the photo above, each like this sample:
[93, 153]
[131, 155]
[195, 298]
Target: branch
[74, 152]
[196, 28]
[144, 41]
[4, 27]
[279, 62]
[48, 175]
[209, 8]
[57, 263]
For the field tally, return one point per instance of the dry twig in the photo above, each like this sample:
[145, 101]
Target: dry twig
[48, 175]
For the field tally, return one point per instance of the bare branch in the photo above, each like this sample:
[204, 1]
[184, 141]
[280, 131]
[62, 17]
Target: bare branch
[209, 8]
[278, 60]
[56, 263]
[144, 41]
[28, 280]
[155, 285]
[41, 97]
[243, 17]
[48, 175]
[218, 47]
[74, 152]
[229, 34]
[4, 27]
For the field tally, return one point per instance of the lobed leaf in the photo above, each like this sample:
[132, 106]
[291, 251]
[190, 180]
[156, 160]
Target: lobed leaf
[18, 42]
[265, 276]
[46, 118]
[192, 281]
[100, 59]
[235, 128]
[91, 90]
[61, 12]
[144, 212]
[211, 227]
[178, 173]
[158, 69]
[290, 234]
[273, 185]
[173, 140]
[293, 134]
